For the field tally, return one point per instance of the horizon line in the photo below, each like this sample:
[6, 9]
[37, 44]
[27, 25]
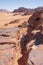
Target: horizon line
[20, 7]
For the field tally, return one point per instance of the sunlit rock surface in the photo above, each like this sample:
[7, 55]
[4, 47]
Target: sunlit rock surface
[21, 37]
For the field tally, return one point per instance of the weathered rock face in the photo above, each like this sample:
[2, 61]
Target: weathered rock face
[9, 46]
[7, 53]
[7, 57]
[35, 22]
[36, 19]
[35, 56]
[35, 32]
[33, 36]
[17, 46]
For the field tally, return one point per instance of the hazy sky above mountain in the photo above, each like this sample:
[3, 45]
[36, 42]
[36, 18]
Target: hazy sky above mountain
[14, 4]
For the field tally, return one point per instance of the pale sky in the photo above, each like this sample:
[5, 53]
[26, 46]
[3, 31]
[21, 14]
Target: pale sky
[14, 4]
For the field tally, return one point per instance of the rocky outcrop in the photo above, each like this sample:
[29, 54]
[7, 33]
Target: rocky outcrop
[27, 11]
[18, 44]
[35, 22]
[21, 9]
[36, 55]
[32, 40]
[39, 8]
[9, 46]
[35, 29]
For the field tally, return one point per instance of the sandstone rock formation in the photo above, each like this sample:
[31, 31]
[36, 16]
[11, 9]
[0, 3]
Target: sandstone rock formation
[30, 41]
[20, 44]
[35, 23]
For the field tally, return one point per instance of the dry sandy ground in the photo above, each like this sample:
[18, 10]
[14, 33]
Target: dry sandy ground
[6, 18]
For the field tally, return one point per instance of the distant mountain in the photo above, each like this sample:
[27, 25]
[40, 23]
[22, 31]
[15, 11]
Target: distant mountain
[3, 10]
[27, 10]
[21, 9]
[24, 10]
[39, 8]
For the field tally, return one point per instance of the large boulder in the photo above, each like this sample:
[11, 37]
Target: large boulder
[36, 19]
[35, 23]
[35, 32]
[35, 57]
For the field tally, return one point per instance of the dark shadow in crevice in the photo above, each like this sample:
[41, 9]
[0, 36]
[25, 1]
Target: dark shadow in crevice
[23, 42]
[39, 38]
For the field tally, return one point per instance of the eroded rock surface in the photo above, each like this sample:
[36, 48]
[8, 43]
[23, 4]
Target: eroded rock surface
[35, 30]
[19, 45]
